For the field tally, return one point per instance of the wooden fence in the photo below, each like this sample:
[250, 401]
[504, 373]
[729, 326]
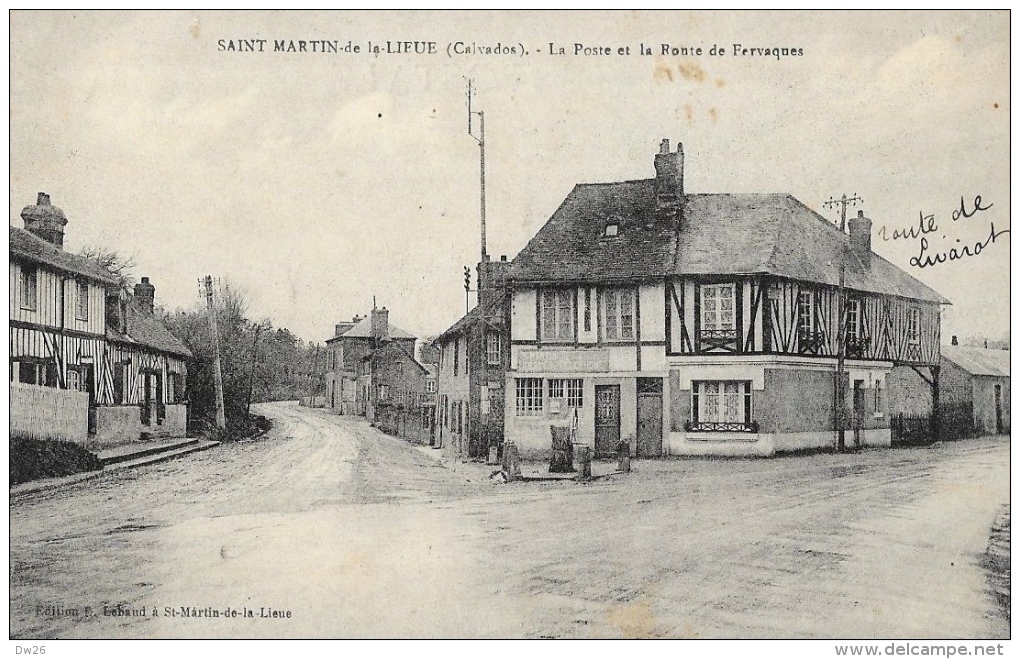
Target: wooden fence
[954, 422]
[48, 413]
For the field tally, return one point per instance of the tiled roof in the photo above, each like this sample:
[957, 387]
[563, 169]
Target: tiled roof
[146, 330]
[363, 329]
[572, 246]
[493, 311]
[979, 361]
[727, 234]
[31, 247]
[385, 351]
[776, 234]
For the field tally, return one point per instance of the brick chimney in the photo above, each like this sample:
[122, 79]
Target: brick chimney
[381, 324]
[45, 220]
[860, 237]
[669, 176]
[145, 294]
[492, 277]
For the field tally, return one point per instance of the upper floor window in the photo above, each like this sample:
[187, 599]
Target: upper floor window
[456, 356]
[612, 229]
[383, 391]
[29, 287]
[805, 312]
[853, 319]
[82, 310]
[430, 386]
[557, 314]
[492, 351]
[717, 307]
[913, 325]
[618, 306]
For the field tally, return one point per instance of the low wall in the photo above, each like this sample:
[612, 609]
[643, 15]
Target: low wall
[116, 424]
[120, 424]
[176, 422]
[768, 444]
[48, 413]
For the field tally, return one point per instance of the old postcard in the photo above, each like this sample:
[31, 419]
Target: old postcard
[511, 325]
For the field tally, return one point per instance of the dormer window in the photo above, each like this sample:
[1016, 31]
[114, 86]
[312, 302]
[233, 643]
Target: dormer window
[612, 230]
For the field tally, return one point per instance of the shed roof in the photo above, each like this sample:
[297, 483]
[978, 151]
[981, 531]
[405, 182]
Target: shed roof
[979, 361]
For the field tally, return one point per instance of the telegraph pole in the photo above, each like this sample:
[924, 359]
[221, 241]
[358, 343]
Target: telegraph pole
[480, 138]
[843, 202]
[839, 391]
[221, 416]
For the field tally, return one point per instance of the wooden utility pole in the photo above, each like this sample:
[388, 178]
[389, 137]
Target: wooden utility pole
[480, 138]
[480, 371]
[221, 415]
[254, 358]
[839, 390]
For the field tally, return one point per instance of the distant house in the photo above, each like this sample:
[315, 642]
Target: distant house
[474, 358]
[348, 375]
[709, 324]
[974, 383]
[89, 362]
[373, 372]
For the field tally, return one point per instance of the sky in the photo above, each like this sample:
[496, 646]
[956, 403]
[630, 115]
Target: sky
[317, 182]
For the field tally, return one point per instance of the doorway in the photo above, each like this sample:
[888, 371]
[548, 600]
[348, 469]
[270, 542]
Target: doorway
[858, 413]
[649, 417]
[607, 419]
[998, 409]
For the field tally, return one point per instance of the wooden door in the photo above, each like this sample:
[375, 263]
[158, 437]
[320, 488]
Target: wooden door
[147, 398]
[998, 409]
[607, 419]
[858, 412]
[649, 417]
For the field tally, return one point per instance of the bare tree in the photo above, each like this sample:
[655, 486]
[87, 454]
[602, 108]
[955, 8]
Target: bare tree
[120, 265]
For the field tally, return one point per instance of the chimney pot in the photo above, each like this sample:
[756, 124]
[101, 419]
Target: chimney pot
[381, 324]
[145, 293]
[860, 237]
[669, 175]
[45, 220]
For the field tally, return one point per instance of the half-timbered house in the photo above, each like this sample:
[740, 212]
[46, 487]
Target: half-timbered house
[75, 375]
[692, 324]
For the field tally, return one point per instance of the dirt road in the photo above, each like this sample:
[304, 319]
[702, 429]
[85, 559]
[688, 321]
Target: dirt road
[355, 534]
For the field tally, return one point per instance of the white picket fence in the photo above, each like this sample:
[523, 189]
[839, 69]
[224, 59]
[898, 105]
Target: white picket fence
[47, 413]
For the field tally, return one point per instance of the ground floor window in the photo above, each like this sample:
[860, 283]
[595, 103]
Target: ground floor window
[721, 405]
[569, 392]
[37, 372]
[529, 396]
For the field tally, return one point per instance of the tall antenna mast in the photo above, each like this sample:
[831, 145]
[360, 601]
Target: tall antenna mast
[480, 138]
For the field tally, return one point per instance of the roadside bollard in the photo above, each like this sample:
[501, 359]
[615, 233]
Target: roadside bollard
[562, 460]
[584, 462]
[511, 463]
[623, 451]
